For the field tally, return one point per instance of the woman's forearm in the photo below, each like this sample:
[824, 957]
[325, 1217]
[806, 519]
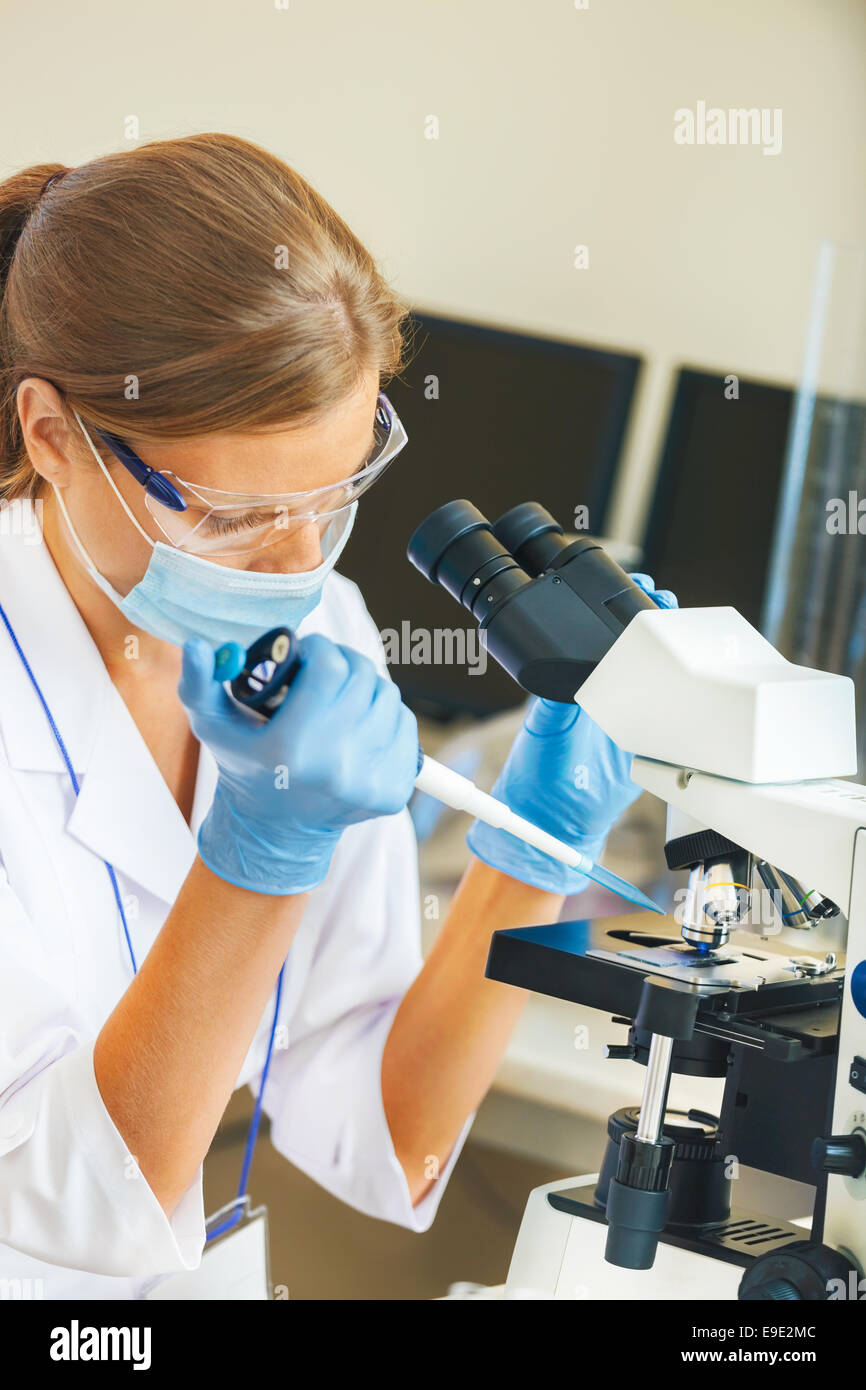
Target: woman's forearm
[168, 1057]
[453, 1025]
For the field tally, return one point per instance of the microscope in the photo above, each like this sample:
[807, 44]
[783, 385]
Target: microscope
[746, 749]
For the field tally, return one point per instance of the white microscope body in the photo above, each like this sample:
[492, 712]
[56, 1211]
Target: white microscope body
[739, 741]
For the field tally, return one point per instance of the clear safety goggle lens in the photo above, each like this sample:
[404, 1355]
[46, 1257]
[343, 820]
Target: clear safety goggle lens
[225, 523]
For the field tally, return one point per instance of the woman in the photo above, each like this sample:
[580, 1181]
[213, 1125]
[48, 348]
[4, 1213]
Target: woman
[193, 347]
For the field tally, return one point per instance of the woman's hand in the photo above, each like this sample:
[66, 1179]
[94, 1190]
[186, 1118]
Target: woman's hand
[341, 748]
[566, 776]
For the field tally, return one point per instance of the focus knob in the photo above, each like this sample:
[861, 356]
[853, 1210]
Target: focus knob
[775, 1291]
[841, 1153]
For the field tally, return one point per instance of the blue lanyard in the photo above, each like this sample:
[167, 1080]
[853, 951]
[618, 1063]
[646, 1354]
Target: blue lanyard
[255, 1122]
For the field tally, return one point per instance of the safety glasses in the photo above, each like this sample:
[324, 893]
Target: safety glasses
[209, 521]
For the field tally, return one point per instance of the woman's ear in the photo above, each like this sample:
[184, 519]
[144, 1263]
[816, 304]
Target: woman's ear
[45, 426]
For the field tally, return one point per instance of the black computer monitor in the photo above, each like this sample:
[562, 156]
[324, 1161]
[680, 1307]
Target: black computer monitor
[501, 418]
[711, 525]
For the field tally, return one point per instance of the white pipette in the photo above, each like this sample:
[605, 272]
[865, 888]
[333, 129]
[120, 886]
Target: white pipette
[262, 697]
[460, 793]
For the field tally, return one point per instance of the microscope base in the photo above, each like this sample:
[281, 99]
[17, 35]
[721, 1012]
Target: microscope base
[560, 1254]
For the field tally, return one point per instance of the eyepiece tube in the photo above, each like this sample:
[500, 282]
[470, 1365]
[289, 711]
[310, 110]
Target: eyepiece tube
[532, 535]
[456, 547]
[441, 529]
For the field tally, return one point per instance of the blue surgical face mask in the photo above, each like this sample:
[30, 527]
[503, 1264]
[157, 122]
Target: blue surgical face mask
[182, 596]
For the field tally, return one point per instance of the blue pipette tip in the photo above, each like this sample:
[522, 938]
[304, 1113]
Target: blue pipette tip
[626, 890]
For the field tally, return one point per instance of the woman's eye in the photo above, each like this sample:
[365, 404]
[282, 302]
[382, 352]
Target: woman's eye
[219, 525]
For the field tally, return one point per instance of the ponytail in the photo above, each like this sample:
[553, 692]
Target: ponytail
[19, 198]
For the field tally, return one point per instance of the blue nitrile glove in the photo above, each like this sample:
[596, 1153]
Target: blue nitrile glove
[566, 776]
[341, 748]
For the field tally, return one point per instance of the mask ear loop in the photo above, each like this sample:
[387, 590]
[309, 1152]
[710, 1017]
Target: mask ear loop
[71, 529]
[98, 579]
[112, 484]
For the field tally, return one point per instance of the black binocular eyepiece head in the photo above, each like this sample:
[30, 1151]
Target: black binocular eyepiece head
[457, 548]
[456, 544]
[549, 606]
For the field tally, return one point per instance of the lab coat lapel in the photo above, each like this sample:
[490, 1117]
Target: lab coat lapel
[125, 812]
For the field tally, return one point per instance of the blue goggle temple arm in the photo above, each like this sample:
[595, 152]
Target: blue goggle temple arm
[155, 484]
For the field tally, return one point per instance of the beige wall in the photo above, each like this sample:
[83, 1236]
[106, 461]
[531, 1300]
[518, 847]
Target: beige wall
[556, 128]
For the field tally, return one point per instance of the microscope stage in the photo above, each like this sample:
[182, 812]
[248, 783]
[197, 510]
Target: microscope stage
[781, 1004]
[724, 969]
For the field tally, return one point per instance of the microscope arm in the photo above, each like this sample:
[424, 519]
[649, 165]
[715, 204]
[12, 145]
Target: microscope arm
[701, 688]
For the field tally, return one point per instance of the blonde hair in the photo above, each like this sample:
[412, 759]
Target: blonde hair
[181, 288]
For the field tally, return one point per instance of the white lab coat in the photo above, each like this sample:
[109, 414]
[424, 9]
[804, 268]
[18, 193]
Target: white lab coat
[76, 1219]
